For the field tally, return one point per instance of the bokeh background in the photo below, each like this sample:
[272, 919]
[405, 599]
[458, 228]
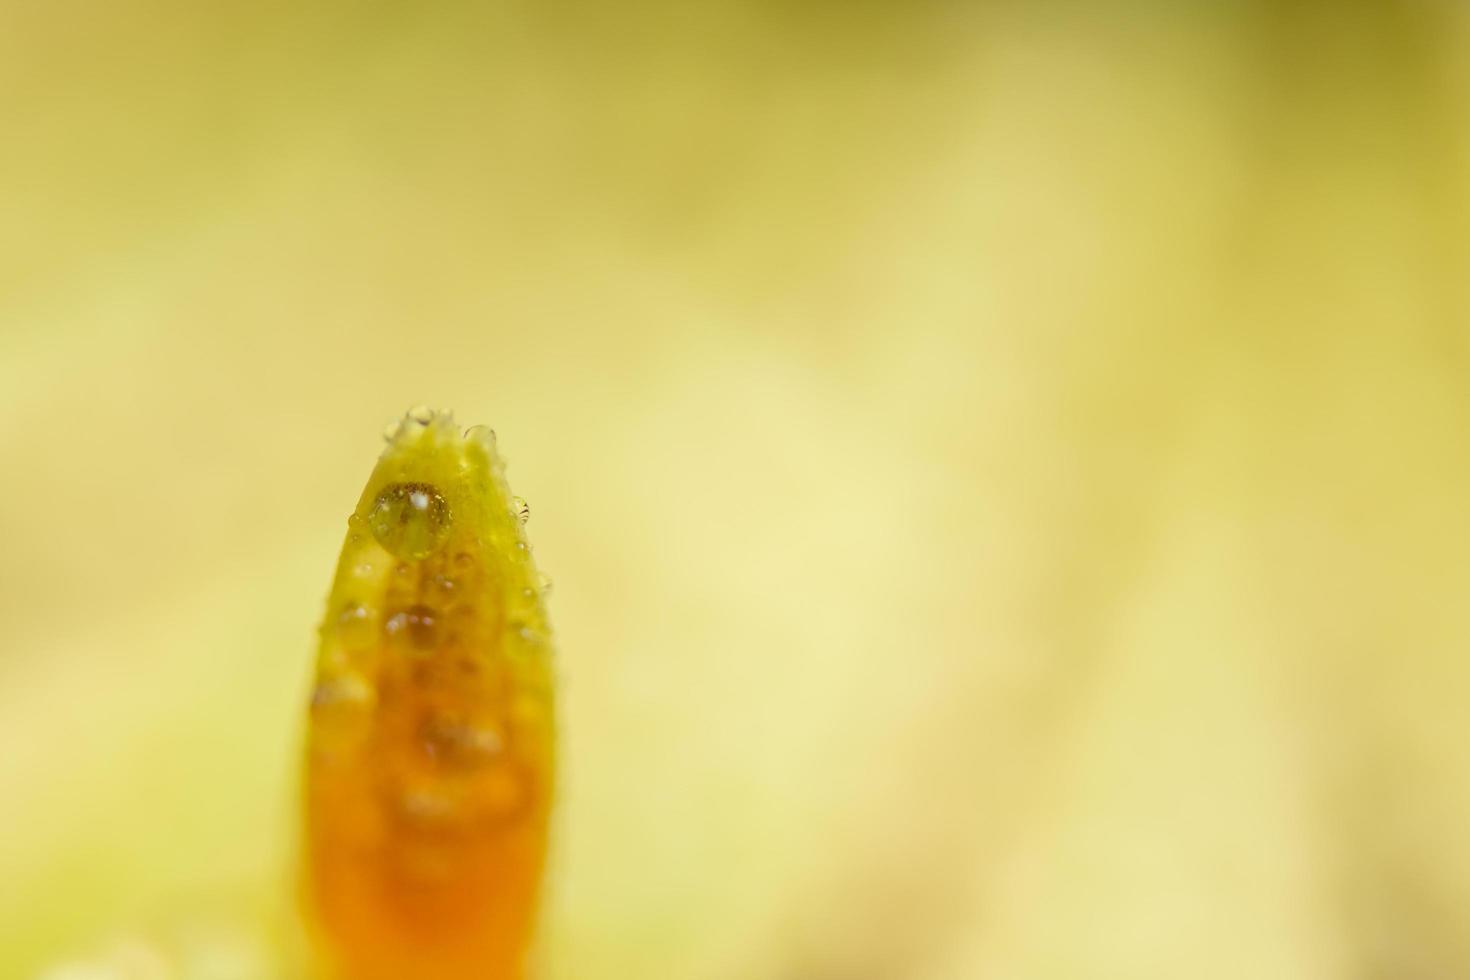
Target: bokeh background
[1004, 466]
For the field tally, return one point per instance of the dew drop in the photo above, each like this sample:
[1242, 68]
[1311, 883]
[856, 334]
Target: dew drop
[417, 626]
[422, 414]
[343, 691]
[425, 806]
[460, 743]
[521, 508]
[526, 638]
[410, 520]
[544, 581]
[482, 434]
[354, 625]
[390, 431]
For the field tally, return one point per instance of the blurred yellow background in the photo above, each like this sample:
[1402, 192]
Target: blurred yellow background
[1004, 466]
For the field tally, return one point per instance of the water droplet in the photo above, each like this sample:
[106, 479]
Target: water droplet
[526, 638]
[342, 691]
[521, 508]
[355, 625]
[545, 583]
[460, 743]
[422, 414]
[482, 434]
[411, 520]
[418, 626]
[390, 431]
[425, 806]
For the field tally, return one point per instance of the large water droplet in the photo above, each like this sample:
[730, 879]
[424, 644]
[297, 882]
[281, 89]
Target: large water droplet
[411, 520]
[422, 414]
[521, 509]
